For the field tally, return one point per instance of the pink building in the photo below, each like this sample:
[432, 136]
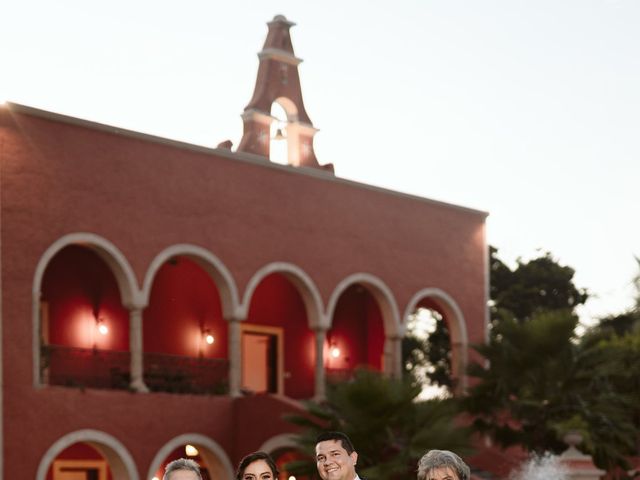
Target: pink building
[157, 294]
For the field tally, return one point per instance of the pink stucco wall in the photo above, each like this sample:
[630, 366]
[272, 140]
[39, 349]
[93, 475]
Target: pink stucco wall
[143, 196]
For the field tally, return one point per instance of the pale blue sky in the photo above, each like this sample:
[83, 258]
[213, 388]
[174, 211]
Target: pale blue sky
[527, 109]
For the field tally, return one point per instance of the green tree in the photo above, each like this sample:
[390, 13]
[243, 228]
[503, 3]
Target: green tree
[388, 426]
[625, 322]
[541, 284]
[427, 357]
[539, 380]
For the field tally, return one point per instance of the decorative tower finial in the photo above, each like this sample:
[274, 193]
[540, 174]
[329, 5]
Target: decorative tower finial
[278, 82]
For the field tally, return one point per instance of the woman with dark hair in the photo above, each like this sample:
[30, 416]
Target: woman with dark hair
[257, 466]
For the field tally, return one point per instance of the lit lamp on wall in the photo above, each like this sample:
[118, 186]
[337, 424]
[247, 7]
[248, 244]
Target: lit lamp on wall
[206, 338]
[191, 451]
[102, 326]
[334, 352]
[100, 329]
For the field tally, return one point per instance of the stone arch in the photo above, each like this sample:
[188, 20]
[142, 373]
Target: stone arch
[109, 253]
[457, 327]
[299, 278]
[216, 459]
[209, 262]
[295, 352]
[382, 294]
[119, 459]
[289, 107]
[283, 448]
[284, 440]
[393, 329]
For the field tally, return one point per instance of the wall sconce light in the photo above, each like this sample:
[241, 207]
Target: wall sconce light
[102, 326]
[208, 337]
[334, 350]
[191, 451]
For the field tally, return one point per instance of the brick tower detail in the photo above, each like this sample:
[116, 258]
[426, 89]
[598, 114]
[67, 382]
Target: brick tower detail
[278, 81]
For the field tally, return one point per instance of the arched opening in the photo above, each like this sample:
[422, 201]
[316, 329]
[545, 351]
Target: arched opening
[84, 328]
[87, 455]
[185, 337]
[436, 341]
[189, 451]
[213, 461]
[277, 346]
[278, 144]
[426, 350]
[79, 461]
[284, 457]
[356, 338]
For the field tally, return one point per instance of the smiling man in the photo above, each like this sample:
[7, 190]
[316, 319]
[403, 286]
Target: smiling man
[335, 456]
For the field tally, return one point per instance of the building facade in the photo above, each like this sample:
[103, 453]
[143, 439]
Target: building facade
[157, 294]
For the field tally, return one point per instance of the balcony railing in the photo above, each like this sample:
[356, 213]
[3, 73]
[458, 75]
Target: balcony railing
[85, 367]
[108, 369]
[178, 374]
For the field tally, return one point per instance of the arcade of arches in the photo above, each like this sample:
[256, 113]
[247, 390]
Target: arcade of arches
[85, 340]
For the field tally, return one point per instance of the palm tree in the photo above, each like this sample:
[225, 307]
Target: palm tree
[539, 380]
[389, 427]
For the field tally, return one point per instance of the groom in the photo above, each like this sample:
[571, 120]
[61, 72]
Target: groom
[335, 456]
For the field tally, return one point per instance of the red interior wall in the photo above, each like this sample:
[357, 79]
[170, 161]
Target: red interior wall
[76, 282]
[285, 456]
[276, 302]
[375, 333]
[184, 298]
[78, 451]
[431, 305]
[358, 331]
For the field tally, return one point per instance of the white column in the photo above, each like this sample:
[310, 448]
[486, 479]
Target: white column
[320, 393]
[235, 357]
[458, 368]
[392, 358]
[135, 347]
[387, 356]
[397, 358]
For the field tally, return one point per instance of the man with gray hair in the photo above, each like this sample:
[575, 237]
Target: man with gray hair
[182, 469]
[442, 465]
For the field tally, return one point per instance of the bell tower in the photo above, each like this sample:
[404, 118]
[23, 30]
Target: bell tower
[278, 82]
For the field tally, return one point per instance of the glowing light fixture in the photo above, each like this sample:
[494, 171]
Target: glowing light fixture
[102, 327]
[155, 478]
[208, 336]
[335, 352]
[291, 477]
[191, 451]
